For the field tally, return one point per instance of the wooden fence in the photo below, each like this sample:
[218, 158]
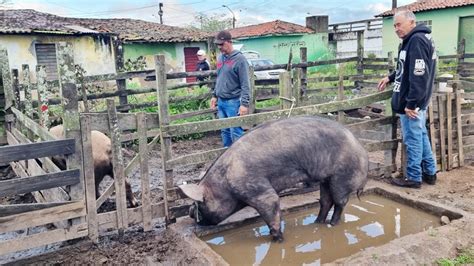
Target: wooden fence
[379, 136]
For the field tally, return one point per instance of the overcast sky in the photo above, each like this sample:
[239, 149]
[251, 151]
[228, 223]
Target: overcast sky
[182, 12]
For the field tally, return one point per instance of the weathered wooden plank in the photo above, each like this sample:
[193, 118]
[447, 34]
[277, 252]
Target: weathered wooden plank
[89, 179]
[42, 239]
[304, 71]
[36, 150]
[47, 163]
[41, 217]
[442, 132]
[432, 129]
[70, 115]
[376, 67]
[117, 161]
[32, 125]
[382, 145]
[6, 210]
[195, 158]
[6, 79]
[44, 95]
[449, 125]
[26, 82]
[35, 183]
[126, 122]
[253, 91]
[252, 119]
[135, 161]
[371, 124]
[165, 141]
[460, 129]
[286, 97]
[144, 172]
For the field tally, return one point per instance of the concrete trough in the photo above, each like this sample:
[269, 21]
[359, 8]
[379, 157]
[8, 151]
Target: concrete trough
[417, 248]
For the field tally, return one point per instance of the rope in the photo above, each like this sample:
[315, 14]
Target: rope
[292, 100]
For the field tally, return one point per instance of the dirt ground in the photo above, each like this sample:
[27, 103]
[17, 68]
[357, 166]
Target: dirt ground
[161, 247]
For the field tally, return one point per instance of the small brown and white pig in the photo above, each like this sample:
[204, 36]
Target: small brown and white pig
[275, 156]
[102, 155]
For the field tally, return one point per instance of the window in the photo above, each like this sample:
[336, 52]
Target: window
[46, 55]
[426, 22]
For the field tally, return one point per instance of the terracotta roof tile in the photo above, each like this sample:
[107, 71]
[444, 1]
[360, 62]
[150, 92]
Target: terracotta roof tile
[423, 5]
[276, 27]
[29, 21]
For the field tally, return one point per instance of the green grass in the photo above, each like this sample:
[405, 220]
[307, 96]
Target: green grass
[465, 257]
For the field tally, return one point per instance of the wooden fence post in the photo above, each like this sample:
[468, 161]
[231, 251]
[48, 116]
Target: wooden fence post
[253, 91]
[432, 130]
[88, 162]
[164, 120]
[388, 103]
[6, 78]
[461, 54]
[43, 95]
[119, 63]
[16, 90]
[340, 92]
[285, 90]
[459, 123]
[70, 116]
[144, 173]
[449, 128]
[296, 86]
[119, 172]
[304, 71]
[442, 132]
[26, 81]
[360, 52]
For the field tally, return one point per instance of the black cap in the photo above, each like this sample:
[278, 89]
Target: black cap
[223, 36]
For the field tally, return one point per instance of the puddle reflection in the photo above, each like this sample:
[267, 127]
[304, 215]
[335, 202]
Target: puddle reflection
[373, 221]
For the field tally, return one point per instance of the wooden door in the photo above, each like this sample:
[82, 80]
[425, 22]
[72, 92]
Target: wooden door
[190, 61]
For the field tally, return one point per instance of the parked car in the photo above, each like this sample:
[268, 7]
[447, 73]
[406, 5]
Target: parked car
[265, 74]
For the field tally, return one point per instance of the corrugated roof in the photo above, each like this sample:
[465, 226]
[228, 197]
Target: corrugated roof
[28, 21]
[424, 5]
[276, 27]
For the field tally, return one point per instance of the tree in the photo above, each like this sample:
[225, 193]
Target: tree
[211, 23]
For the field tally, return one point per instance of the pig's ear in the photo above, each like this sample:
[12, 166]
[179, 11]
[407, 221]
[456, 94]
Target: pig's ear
[193, 191]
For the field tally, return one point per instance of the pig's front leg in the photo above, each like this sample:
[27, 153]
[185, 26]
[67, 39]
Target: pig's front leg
[325, 202]
[268, 206]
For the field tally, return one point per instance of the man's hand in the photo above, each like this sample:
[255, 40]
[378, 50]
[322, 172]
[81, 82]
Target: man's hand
[213, 103]
[383, 83]
[411, 113]
[243, 110]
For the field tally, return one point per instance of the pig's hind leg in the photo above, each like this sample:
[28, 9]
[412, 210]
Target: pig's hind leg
[267, 205]
[325, 202]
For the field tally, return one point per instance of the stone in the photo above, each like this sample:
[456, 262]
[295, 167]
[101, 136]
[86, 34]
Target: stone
[445, 220]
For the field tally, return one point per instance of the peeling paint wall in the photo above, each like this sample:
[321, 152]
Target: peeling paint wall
[93, 53]
[277, 48]
[445, 27]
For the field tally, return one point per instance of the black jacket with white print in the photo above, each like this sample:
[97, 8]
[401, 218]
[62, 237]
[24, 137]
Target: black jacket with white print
[415, 71]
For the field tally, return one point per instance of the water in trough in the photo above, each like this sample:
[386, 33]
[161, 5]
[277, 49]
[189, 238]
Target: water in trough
[373, 221]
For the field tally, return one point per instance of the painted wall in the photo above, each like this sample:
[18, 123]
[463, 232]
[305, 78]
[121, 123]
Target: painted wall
[346, 43]
[93, 53]
[445, 27]
[174, 53]
[277, 48]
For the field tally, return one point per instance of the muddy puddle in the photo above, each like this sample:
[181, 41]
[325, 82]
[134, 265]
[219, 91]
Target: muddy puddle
[372, 221]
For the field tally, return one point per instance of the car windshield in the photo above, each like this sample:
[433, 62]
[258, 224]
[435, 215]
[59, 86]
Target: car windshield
[261, 63]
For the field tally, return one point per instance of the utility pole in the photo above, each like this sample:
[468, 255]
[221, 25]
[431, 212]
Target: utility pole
[233, 16]
[394, 4]
[160, 12]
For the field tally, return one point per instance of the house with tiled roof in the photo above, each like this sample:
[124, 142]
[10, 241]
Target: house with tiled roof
[450, 21]
[30, 37]
[274, 39]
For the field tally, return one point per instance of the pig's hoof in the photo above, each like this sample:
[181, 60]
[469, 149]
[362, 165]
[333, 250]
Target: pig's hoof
[278, 238]
[334, 223]
[320, 221]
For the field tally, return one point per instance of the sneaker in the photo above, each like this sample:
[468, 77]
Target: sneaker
[405, 182]
[429, 179]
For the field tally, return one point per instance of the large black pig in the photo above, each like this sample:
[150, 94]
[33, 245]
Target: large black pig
[275, 156]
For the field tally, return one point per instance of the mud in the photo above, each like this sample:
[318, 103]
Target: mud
[164, 247]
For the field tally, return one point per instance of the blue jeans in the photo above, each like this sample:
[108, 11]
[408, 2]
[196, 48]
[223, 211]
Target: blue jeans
[418, 149]
[229, 108]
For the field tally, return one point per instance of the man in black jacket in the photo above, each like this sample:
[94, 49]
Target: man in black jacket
[202, 64]
[413, 86]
